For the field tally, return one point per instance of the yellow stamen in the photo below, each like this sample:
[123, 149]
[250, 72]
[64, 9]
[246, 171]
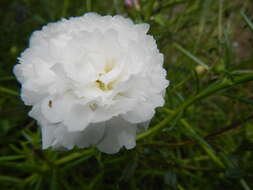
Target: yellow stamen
[103, 86]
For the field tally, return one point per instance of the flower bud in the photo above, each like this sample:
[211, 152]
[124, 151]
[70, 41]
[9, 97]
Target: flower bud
[132, 3]
[200, 69]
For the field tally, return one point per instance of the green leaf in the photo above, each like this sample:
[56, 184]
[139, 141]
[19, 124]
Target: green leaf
[206, 147]
[234, 173]
[240, 99]
[170, 179]
[9, 179]
[225, 83]
[249, 131]
[10, 158]
[74, 156]
[54, 180]
[38, 185]
[247, 20]
[129, 171]
[75, 163]
[190, 56]
[8, 91]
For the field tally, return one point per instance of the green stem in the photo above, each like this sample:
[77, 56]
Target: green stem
[7, 78]
[190, 56]
[180, 84]
[88, 5]
[205, 146]
[65, 8]
[8, 91]
[204, 93]
[244, 184]
[247, 20]
[74, 156]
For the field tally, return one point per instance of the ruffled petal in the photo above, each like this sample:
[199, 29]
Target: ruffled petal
[91, 135]
[47, 129]
[145, 110]
[47, 133]
[54, 109]
[78, 117]
[118, 133]
[31, 97]
[59, 137]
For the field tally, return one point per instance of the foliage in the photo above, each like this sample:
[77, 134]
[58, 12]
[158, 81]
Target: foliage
[202, 137]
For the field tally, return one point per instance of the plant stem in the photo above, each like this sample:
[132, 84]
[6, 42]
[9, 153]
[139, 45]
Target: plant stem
[225, 83]
[74, 156]
[8, 91]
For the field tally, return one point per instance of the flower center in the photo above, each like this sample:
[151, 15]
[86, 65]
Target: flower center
[103, 86]
[109, 65]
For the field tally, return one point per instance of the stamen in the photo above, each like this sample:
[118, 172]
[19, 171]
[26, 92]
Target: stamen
[93, 107]
[103, 86]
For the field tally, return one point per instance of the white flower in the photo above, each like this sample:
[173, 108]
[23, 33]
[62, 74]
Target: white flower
[92, 81]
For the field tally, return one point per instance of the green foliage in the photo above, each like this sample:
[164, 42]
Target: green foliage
[201, 139]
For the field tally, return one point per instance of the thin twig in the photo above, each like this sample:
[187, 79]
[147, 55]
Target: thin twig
[234, 126]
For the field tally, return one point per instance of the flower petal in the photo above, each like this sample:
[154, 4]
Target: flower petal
[118, 133]
[91, 135]
[145, 110]
[53, 109]
[78, 117]
[48, 137]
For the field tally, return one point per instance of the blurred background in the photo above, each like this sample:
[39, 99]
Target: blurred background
[206, 146]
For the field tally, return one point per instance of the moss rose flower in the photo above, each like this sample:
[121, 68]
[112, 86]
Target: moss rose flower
[92, 81]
